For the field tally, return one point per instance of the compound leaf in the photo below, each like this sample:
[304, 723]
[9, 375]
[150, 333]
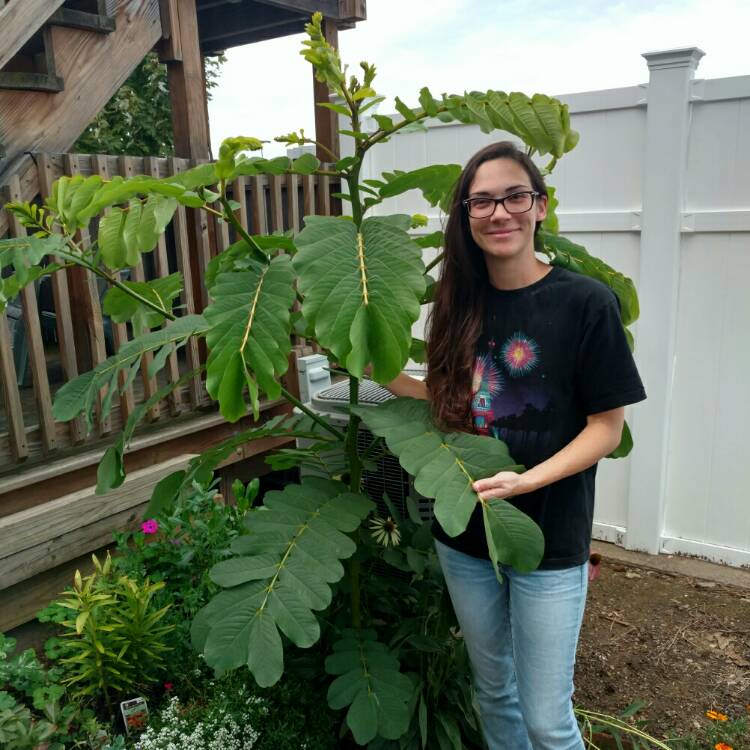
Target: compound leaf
[249, 339]
[361, 290]
[282, 574]
[445, 466]
[370, 683]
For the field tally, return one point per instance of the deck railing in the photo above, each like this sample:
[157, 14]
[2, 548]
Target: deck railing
[56, 329]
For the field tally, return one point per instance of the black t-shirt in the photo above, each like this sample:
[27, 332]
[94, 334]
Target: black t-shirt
[550, 354]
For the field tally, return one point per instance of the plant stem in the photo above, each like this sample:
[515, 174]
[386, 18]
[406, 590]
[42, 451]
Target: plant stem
[352, 179]
[229, 216]
[434, 262]
[315, 417]
[355, 480]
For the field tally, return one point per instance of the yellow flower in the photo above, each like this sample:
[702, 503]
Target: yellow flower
[716, 716]
[722, 746]
[385, 532]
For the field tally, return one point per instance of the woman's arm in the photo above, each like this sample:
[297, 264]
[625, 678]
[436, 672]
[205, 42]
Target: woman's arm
[598, 438]
[405, 385]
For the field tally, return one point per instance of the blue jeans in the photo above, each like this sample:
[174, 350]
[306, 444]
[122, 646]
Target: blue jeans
[521, 637]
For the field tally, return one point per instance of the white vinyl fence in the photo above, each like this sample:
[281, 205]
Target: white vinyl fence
[658, 187]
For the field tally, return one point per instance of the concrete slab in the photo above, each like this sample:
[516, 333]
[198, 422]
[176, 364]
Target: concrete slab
[676, 565]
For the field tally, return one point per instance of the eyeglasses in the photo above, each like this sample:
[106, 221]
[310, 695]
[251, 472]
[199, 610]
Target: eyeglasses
[515, 203]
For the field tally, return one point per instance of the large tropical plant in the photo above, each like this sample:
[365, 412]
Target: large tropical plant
[353, 283]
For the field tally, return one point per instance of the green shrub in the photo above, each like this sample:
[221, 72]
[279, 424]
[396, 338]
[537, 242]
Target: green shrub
[114, 637]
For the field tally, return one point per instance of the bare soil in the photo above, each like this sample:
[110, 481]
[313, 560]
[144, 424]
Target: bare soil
[680, 644]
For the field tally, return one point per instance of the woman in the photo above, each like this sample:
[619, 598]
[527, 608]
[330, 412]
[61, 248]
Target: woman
[536, 356]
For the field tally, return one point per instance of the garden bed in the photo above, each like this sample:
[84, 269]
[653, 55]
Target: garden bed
[679, 644]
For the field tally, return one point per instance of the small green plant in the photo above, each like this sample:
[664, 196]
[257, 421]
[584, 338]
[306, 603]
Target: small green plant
[178, 547]
[720, 732]
[115, 638]
[35, 709]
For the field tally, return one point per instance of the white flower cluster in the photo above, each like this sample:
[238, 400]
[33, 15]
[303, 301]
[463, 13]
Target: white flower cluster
[216, 732]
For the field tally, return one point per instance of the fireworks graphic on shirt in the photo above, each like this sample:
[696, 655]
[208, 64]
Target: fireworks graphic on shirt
[487, 377]
[520, 354]
[487, 381]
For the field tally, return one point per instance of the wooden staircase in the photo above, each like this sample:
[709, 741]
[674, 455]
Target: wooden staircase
[60, 63]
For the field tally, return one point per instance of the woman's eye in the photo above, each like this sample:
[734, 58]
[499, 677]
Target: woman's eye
[516, 199]
[481, 204]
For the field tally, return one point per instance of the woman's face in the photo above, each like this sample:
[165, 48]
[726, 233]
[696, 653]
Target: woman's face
[502, 235]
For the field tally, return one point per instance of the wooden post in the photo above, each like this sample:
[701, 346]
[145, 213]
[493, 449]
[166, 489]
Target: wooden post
[187, 94]
[326, 122]
[187, 91]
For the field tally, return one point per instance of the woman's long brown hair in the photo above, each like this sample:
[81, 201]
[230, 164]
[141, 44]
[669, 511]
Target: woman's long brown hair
[455, 321]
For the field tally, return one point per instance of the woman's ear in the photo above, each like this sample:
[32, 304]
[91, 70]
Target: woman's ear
[541, 208]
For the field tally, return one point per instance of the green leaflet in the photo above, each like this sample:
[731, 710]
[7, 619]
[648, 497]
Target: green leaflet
[248, 339]
[229, 150]
[361, 290]
[370, 683]
[23, 254]
[125, 234]
[436, 183]
[282, 574]
[626, 443]
[121, 307]
[239, 256]
[445, 465]
[120, 190]
[551, 223]
[305, 164]
[79, 395]
[512, 537]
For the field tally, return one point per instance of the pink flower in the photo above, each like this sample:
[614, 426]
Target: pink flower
[168, 686]
[150, 527]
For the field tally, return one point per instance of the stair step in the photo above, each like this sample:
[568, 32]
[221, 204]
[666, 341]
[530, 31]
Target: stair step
[79, 19]
[31, 82]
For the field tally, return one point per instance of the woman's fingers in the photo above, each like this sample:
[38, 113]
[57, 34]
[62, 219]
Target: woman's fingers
[498, 486]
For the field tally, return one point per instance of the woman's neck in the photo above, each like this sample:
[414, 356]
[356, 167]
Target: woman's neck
[515, 273]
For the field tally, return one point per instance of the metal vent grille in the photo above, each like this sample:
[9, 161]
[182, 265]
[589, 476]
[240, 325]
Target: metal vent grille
[369, 393]
[389, 478]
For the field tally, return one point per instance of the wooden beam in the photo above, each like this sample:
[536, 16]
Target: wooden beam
[170, 48]
[20, 21]
[77, 19]
[329, 8]
[193, 433]
[251, 37]
[68, 514]
[237, 19]
[352, 11]
[326, 122]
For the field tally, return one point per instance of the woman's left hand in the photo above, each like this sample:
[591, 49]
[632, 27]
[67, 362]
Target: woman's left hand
[501, 485]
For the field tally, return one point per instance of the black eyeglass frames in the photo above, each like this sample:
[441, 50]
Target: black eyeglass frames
[515, 203]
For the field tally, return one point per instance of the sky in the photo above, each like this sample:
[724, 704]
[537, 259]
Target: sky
[552, 47]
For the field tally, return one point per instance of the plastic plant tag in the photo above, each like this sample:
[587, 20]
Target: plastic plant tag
[134, 714]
